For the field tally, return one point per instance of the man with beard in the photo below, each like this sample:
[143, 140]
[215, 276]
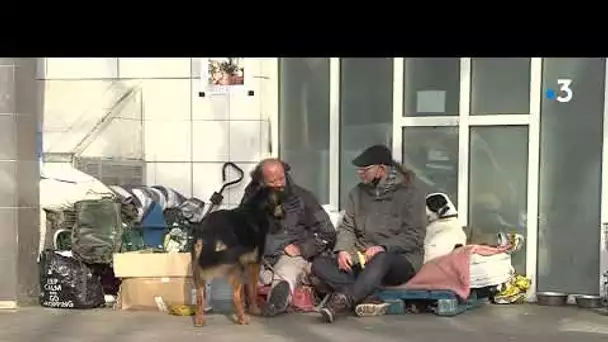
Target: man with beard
[305, 232]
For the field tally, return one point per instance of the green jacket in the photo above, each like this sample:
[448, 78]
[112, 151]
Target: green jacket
[391, 214]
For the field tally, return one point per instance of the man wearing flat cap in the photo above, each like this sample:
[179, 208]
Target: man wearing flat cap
[380, 240]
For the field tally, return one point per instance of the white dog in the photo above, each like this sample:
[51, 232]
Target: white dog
[444, 231]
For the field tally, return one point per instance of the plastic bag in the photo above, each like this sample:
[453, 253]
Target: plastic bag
[193, 210]
[62, 185]
[303, 299]
[98, 231]
[66, 283]
[132, 240]
[179, 237]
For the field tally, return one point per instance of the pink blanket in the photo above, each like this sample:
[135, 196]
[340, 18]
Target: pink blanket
[451, 271]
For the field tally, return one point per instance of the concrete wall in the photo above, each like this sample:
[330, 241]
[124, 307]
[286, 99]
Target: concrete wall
[20, 101]
[183, 138]
[155, 114]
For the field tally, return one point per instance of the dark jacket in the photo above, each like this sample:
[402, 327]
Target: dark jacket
[391, 214]
[306, 224]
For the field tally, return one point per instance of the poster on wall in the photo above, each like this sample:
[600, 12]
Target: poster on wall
[223, 75]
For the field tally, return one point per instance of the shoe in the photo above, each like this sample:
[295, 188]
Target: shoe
[278, 300]
[371, 309]
[338, 303]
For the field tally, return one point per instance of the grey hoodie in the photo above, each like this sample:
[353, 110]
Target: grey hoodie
[391, 214]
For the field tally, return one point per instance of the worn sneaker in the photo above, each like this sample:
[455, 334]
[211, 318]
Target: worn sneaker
[337, 304]
[371, 309]
[278, 300]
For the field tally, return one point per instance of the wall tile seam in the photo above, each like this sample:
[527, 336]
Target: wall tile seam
[205, 161]
[13, 160]
[18, 114]
[84, 78]
[23, 207]
[76, 79]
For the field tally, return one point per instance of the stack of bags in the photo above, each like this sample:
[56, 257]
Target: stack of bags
[490, 270]
[496, 271]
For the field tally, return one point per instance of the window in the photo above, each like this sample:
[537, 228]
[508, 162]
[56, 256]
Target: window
[431, 87]
[366, 112]
[498, 174]
[304, 122]
[500, 86]
[432, 153]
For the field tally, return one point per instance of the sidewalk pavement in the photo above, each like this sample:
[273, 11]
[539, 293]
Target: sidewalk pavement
[490, 323]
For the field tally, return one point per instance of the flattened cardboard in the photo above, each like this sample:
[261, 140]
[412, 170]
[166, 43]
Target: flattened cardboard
[144, 293]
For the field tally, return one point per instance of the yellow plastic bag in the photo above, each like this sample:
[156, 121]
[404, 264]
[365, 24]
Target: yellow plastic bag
[182, 310]
[514, 291]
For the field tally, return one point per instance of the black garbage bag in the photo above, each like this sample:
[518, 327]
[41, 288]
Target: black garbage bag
[97, 234]
[67, 283]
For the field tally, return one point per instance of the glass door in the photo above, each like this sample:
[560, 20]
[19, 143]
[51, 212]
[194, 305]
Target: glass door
[429, 95]
[470, 128]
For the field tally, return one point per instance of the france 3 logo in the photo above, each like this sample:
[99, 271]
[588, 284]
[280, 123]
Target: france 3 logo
[564, 92]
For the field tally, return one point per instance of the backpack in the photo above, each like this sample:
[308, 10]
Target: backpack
[97, 233]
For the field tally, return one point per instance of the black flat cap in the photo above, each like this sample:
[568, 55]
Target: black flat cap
[374, 155]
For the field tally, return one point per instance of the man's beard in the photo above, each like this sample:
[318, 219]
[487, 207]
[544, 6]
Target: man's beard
[286, 191]
[374, 183]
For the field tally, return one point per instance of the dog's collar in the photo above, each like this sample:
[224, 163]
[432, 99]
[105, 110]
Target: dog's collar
[448, 216]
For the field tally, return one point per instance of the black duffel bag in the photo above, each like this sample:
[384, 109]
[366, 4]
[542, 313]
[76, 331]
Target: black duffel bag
[67, 283]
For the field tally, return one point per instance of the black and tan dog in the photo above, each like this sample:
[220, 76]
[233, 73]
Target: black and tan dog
[230, 244]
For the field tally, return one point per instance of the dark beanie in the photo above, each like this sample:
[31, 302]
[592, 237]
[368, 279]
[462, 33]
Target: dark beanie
[374, 155]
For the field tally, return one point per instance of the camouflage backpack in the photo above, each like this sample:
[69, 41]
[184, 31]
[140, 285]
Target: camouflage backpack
[98, 230]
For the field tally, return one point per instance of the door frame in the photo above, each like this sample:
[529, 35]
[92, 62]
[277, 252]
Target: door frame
[603, 252]
[464, 121]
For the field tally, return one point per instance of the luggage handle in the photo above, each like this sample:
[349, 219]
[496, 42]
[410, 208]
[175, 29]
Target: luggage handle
[217, 198]
[239, 178]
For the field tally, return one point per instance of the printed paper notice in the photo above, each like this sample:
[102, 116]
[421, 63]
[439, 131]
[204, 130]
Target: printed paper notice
[430, 101]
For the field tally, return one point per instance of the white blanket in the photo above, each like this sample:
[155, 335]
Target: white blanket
[61, 185]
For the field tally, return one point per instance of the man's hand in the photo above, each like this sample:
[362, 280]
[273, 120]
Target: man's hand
[292, 250]
[373, 250]
[344, 261]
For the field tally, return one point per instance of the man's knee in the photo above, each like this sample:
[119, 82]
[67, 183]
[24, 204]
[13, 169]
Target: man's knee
[381, 257]
[323, 265]
[290, 269]
[380, 261]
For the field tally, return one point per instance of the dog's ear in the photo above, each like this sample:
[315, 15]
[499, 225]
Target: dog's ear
[253, 198]
[436, 202]
[260, 194]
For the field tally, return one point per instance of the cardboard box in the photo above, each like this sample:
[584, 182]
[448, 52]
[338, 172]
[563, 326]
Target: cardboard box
[152, 265]
[155, 293]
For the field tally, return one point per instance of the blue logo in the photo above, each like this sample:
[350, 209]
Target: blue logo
[565, 92]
